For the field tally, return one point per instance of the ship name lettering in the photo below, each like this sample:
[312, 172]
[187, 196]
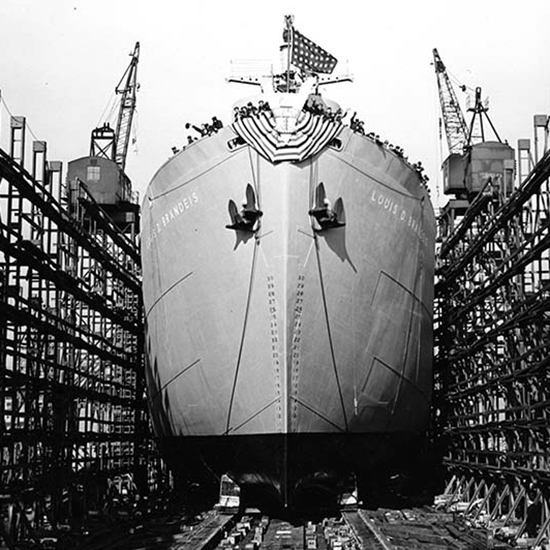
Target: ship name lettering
[179, 208]
[404, 215]
[386, 202]
[171, 214]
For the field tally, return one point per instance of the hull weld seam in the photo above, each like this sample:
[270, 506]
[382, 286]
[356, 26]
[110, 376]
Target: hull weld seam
[329, 332]
[243, 335]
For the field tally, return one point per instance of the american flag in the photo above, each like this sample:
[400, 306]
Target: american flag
[306, 55]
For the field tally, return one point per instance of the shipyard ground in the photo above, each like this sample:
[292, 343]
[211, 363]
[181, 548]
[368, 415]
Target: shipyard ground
[427, 527]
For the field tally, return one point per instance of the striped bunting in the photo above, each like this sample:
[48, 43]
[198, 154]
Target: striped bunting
[311, 134]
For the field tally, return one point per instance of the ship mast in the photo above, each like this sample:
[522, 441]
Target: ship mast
[295, 69]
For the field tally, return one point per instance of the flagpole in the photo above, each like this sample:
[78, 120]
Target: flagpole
[290, 47]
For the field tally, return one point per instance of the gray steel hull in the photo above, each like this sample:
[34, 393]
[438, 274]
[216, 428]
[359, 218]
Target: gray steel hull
[288, 330]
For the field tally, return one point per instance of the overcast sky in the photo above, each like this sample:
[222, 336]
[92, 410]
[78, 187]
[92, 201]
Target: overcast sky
[61, 60]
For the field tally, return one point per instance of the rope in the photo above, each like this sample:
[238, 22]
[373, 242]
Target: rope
[111, 106]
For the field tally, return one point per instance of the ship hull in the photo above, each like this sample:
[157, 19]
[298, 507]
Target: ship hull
[280, 354]
[305, 472]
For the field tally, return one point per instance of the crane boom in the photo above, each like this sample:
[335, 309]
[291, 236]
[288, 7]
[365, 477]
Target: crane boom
[127, 87]
[456, 129]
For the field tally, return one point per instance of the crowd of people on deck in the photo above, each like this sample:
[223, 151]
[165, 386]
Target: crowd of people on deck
[250, 110]
[420, 169]
[324, 111]
[358, 126]
[315, 106]
[204, 130]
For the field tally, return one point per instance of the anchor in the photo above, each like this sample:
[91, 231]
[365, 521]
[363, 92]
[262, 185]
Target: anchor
[326, 215]
[246, 219]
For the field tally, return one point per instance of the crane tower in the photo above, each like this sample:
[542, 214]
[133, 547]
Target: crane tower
[127, 87]
[474, 165]
[456, 129]
[107, 142]
[103, 170]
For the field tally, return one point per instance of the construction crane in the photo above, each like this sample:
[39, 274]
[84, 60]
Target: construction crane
[113, 144]
[127, 87]
[479, 110]
[453, 118]
[474, 164]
